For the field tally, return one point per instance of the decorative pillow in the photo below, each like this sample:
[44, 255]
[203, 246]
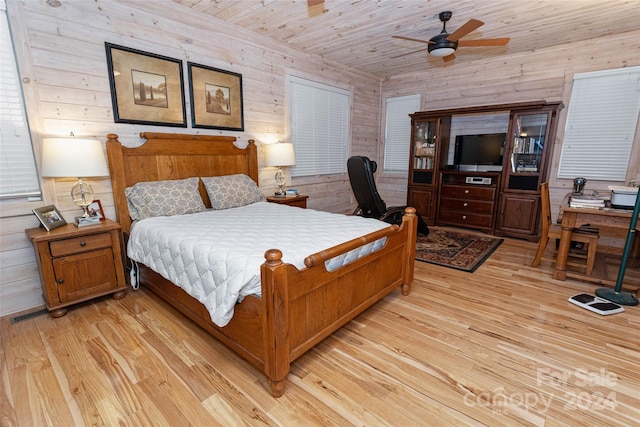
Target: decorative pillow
[164, 198]
[230, 191]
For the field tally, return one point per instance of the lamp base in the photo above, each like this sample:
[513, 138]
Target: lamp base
[622, 298]
[280, 193]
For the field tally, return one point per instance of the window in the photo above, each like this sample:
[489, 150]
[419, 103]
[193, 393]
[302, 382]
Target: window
[601, 122]
[320, 118]
[397, 132]
[18, 175]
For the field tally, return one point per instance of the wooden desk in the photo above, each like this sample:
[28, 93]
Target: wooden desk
[615, 222]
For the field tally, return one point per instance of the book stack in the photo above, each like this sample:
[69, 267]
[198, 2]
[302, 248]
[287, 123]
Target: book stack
[292, 192]
[592, 202]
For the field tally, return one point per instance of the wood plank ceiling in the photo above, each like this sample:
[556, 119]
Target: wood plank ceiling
[357, 33]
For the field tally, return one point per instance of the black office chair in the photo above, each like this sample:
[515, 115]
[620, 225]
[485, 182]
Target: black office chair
[370, 204]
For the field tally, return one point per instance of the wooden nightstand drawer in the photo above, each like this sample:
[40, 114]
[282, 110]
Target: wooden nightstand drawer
[80, 244]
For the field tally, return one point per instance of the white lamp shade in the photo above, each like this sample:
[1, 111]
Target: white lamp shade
[73, 157]
[280, 154]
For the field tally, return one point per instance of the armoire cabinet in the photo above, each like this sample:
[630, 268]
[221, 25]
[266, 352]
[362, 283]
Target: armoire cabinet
[508, 197]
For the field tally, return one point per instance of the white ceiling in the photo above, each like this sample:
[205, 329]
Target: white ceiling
[358, 33]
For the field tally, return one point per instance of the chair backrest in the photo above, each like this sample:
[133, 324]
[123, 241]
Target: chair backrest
[364, 188]
[545, 205]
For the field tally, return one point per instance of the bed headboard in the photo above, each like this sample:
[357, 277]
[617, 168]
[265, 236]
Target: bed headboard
[175, 156]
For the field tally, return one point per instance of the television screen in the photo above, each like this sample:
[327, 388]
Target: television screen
[485, 149]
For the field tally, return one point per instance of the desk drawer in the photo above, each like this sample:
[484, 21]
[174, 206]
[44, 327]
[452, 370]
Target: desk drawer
[80, 244]
[468, 192]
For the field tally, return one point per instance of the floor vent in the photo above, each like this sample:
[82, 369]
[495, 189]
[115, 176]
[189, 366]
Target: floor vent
[28, 316]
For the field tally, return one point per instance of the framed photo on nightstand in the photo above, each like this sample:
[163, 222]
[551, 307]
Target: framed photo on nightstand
[50, 217]
[95, 210]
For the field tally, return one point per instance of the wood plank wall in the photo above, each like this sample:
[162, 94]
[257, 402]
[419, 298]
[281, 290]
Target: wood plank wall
[62, 61]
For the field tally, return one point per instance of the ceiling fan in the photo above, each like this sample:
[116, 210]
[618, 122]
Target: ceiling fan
[444, 44]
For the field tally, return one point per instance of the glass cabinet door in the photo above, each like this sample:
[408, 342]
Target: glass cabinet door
[425, 145]
[425, 139]
[526, 162]
[530, 131]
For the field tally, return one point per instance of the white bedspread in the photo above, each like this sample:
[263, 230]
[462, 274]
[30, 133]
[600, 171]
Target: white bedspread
[216, 255]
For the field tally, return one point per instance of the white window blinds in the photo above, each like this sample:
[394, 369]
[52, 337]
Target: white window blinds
[18, 175]
[397, 133]
[320, 117]
[601, 122]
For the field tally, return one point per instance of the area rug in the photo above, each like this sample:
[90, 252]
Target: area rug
[453, 249]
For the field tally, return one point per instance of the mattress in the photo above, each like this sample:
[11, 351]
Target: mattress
[216, 255]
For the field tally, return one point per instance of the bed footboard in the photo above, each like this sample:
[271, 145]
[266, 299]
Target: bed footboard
[302, 307]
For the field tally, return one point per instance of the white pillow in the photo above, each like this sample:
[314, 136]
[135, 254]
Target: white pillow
[164, 198]
[230, 191]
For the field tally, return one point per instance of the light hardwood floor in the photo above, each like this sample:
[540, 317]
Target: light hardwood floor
[499, 347]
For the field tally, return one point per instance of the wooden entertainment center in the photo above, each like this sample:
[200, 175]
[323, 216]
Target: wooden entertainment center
[499, 194]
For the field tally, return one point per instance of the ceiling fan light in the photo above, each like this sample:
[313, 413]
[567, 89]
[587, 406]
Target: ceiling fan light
[441, 52]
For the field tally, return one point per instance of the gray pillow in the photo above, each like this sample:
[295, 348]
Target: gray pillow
[164, 198]
[230, 191]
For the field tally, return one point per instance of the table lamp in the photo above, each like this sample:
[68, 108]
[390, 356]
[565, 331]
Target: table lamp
[69, 157]
[280, 154]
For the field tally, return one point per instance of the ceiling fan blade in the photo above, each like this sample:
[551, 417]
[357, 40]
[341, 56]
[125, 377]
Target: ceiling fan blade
[470, 25]
[484, 42]
[410, 53]
[449, 57]
[412, 39]
[315, 7]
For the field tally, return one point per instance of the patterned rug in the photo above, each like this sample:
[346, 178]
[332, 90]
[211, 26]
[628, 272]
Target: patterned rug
[458, 250]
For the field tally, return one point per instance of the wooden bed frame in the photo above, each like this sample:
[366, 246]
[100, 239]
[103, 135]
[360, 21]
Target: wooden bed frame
[298, 308]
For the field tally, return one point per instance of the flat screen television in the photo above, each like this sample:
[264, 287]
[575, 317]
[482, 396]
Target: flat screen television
[479, 152]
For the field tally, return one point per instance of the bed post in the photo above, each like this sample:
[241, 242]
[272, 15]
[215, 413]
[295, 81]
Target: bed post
[275, 300]
[252, 160]
[410, 221]
[116, 166]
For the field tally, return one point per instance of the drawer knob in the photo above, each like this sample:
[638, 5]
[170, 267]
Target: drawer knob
[464, 217]
[466, 191]
[465, 204]
[83, 243]
[60, 281]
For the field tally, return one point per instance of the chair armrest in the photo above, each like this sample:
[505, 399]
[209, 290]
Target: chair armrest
[395, 210]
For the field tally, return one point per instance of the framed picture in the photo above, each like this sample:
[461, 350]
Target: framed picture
[95, 210]
[216, 98]
[50, 217]
[145, 88]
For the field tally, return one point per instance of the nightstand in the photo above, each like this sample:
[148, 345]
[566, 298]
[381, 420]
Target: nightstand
[78, 263]
[297, 201]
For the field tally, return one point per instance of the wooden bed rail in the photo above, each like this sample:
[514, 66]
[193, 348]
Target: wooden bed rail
[320, 257]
